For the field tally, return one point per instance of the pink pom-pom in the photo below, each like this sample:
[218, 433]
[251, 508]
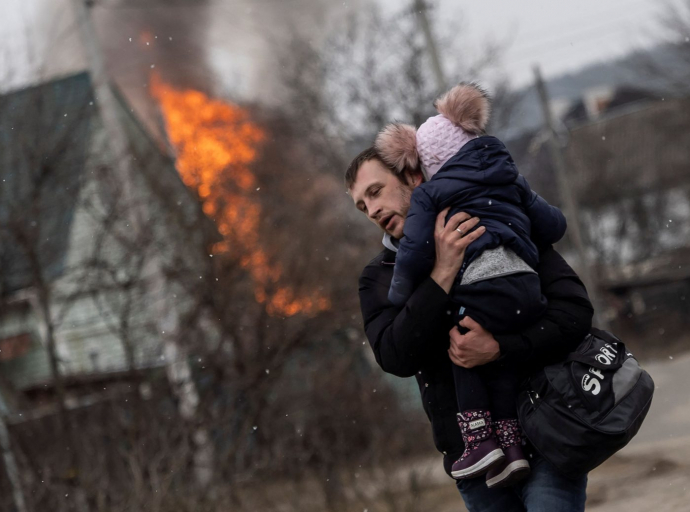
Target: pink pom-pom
[466, 106]
[397, 145]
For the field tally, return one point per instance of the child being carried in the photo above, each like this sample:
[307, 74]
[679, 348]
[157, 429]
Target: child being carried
[497, 286]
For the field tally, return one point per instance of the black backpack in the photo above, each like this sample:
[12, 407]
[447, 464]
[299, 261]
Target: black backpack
[579, 412]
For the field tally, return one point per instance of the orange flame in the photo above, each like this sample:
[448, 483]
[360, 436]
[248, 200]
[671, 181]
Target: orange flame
[215, 143]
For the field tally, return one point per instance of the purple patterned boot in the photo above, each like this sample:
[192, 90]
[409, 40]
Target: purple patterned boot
[514, 467]
[481, 449]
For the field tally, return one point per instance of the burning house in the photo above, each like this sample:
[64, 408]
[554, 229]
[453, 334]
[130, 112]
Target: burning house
[87, 271]
[215, 142]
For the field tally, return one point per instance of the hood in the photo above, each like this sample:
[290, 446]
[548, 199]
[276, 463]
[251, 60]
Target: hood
[390, 243]
[484, 160]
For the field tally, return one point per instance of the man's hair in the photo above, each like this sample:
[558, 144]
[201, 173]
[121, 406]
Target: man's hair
[370, 153]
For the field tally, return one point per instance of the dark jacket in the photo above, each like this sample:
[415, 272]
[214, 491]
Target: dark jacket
[482, 180]
[413, 341]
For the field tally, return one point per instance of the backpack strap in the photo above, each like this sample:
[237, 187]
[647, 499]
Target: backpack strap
[580, 358]
[605, 335]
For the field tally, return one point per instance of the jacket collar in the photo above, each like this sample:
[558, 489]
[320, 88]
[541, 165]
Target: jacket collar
[390, 243]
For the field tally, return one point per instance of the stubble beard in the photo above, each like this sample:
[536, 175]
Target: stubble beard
[404, 195]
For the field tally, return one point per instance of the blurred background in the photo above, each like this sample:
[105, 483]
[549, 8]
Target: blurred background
[179, 321]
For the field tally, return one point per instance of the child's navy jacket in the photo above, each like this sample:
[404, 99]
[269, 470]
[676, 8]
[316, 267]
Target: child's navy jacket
[483, 181]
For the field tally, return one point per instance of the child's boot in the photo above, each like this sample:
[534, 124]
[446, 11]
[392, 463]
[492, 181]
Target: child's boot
[481, 449]
[514, 467]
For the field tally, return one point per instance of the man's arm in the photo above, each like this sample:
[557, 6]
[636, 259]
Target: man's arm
[567, 320]
[402, 338]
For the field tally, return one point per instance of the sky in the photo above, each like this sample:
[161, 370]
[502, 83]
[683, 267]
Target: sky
[238, 35]
[33, 31]
[559, 36]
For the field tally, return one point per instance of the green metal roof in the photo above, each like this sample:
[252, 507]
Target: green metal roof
[44, 136]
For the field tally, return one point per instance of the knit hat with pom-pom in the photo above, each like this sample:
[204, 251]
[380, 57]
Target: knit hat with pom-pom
[397, 145]
[464, 113]
[437, 141]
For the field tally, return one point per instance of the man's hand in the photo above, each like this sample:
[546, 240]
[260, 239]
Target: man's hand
[452, 238]
[475, 348]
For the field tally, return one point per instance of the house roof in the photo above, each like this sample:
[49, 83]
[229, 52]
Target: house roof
[630, 150]
[44, 135]
[161, 174]
[641, 150]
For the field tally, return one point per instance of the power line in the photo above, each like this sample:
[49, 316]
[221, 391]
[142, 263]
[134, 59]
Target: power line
[552, 48]
[604, 28]
[590, 15]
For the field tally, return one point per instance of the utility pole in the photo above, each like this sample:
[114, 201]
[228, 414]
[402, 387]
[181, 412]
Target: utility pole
[421, 11]
[569, 203]
[177, 366]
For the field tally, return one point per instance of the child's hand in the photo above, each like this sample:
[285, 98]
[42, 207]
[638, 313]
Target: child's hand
[452, 238]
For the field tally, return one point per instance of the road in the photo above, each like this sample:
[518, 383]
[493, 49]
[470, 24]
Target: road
[653, 471]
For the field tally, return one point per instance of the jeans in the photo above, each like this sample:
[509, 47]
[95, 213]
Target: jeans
[544, 491]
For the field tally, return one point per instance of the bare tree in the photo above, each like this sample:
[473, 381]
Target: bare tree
[374, 69]
[668, 64]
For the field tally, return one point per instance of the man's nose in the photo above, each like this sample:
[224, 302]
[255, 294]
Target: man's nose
[374, 212]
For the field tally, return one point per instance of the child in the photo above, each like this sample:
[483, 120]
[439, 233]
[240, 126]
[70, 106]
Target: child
[497, 285]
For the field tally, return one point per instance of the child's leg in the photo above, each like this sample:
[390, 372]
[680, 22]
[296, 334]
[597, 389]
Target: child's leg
[481, 448]
[502, 387]
[470, 390]
[506, 304]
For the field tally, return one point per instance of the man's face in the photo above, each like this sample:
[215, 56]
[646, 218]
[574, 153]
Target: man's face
[382, 197]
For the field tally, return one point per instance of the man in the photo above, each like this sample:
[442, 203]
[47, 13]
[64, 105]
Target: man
[414, 340]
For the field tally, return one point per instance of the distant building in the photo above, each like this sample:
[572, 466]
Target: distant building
[67, 240]
[599, 102]
[630, 173]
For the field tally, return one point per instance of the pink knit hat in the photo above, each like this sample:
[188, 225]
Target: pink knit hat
[463, 115]
[438, 139]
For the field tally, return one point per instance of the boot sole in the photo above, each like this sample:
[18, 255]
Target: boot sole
[513, 473]
[480, 467]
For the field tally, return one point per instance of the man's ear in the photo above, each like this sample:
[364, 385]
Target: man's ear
[416, 178]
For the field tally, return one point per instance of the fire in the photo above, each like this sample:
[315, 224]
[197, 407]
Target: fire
[216, 142]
